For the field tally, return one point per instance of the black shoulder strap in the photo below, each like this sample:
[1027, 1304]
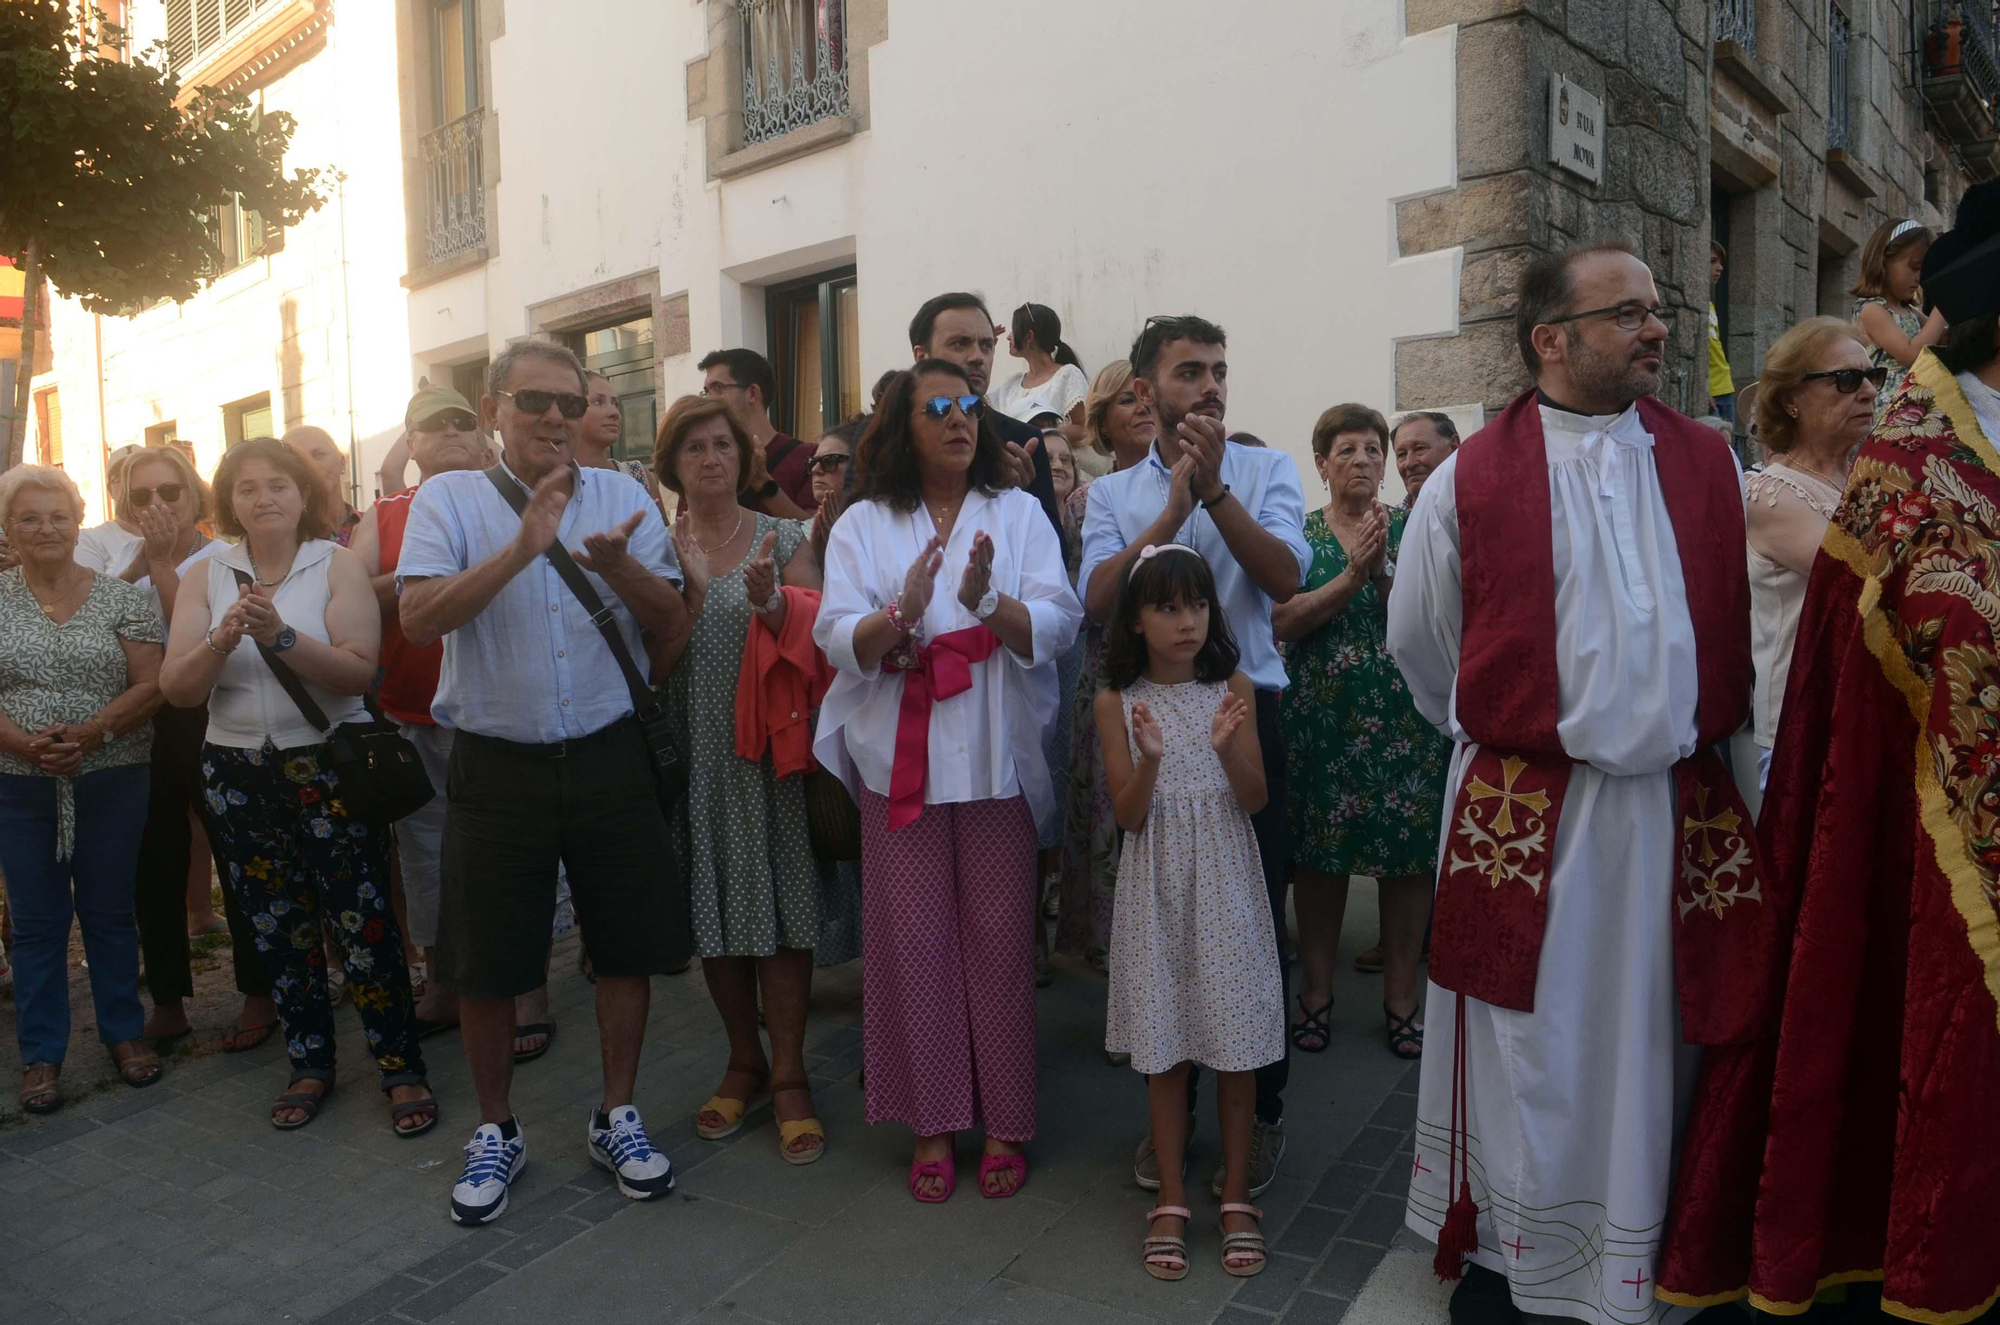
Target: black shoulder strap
[289, 679]
[784, 453]
[572, 575]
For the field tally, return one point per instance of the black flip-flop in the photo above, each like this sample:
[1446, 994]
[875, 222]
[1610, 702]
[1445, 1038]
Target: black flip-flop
[1319, 1024]
[299, 1100]
[410, 1109]
[545, 1029]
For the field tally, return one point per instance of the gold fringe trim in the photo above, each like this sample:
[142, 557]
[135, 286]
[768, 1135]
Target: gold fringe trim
[1900, 1310]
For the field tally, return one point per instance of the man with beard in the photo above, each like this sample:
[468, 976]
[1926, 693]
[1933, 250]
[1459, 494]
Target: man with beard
[1421, 441]
[1572, 607]
[1243, 509]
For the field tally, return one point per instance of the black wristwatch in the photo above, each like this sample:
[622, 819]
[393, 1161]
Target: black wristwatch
[1217, 499]
[286, 639]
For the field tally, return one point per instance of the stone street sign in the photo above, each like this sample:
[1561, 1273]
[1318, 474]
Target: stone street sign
[1576, 129]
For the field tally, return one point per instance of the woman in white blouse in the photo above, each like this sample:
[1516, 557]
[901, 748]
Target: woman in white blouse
[946, 606]
[299, 864]
[1815, 404]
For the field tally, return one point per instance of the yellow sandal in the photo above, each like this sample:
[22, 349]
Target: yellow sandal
[788, 1132]
[731, 1111]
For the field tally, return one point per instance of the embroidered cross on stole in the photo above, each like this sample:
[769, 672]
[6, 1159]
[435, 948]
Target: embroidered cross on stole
[1494, 879]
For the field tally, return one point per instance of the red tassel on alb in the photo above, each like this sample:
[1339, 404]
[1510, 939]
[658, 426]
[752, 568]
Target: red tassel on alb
[1458, 1236]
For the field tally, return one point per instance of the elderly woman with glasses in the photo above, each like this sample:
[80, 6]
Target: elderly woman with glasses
[1815, 404]
[945, 609]
[79, 670]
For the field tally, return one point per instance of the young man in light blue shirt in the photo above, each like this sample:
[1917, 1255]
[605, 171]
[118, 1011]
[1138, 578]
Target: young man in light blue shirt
[1243, 509]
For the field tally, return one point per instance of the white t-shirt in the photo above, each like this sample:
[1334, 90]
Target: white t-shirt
[107, 548]
[1059, 395]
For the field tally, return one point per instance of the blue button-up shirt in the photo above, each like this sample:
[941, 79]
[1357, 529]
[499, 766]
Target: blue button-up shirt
[1121, 506]
[531, 667]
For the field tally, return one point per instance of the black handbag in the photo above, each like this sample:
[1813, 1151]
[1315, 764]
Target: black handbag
[669, 767]
[378, 774]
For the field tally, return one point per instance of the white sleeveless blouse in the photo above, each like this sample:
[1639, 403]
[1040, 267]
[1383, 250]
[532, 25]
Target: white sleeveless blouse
[248, 707]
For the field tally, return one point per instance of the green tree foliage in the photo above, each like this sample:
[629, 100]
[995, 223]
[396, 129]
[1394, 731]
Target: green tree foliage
[106, 184]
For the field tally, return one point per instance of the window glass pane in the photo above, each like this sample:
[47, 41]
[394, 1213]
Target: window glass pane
[257, 423]
[625, 336]
[808, 407]
[624, 354]
[847, 349]
[449, 57]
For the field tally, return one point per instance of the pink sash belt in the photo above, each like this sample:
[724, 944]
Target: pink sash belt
[933, 671]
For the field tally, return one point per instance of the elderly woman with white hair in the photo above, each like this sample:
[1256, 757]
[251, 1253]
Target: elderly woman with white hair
[79, 668]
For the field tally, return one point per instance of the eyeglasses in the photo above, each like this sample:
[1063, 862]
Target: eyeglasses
[939, 407]
[826, 464]
[717, 388]
[1630, 317]
[571, 405]
[167, 492]
[456, 420]
[1847, 381]
[34, 524]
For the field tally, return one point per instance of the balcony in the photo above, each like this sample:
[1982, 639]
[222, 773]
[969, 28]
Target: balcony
[1962, 85]
[1736, 20]
[794, 66]
[455, 189]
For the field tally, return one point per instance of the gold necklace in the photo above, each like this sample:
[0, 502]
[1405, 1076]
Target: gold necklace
[938, 520]
[706, 551]
[49, 609]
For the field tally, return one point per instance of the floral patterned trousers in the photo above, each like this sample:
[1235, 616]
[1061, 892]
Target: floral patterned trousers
[301, 868]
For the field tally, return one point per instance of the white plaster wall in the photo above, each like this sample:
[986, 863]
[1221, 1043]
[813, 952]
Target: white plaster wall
[327, 315]
[1113, 160]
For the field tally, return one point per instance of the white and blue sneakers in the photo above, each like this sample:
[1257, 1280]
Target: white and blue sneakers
[618, 1142]
[492, 1161]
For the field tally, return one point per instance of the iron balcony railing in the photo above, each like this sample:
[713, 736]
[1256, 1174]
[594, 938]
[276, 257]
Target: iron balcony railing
[1736, 20]
[1839, 92]
[794, 65]
[455, 188]
[1979, 57]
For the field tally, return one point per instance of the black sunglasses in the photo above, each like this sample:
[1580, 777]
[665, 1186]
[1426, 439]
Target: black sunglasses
[167, 492]
[1630, 317]
[457, 419]
[1847, 381]
[826, 464]
[939, 407]
[568, 403]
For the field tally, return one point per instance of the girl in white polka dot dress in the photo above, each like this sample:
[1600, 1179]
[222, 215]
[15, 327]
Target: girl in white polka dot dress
[1194, 958]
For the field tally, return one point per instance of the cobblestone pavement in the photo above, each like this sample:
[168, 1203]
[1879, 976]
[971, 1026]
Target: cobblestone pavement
[180, 1203]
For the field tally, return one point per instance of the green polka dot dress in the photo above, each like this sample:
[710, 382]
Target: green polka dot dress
[753, 884]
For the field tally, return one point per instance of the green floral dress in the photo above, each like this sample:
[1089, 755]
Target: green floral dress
[1366, 772]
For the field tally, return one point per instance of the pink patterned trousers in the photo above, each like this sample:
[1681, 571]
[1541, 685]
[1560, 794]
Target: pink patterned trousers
[948, 980]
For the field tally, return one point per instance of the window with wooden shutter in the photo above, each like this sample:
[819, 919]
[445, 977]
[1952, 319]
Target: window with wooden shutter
[48, 417]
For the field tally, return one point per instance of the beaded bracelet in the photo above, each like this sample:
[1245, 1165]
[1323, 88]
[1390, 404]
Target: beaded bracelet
[895, 618]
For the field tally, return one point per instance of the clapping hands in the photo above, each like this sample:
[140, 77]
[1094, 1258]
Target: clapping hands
[694, 561]
[978, 576]
[760, 576]
[920, 582]
[606, 554]
[1229, 715]
[1146, 734]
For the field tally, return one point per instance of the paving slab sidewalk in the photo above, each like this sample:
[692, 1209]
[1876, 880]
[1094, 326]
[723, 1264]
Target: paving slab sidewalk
[210, 1215]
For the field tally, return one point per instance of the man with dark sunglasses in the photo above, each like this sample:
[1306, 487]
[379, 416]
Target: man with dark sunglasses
[1572, 606]
[549, 764]
[957, 328]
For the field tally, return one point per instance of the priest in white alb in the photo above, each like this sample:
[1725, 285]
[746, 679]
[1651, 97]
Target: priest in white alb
[1572, 608]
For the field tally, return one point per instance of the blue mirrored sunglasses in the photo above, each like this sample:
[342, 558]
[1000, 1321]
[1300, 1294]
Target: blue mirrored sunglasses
[939, 407]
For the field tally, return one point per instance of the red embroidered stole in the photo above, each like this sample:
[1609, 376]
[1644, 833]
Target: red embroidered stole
[1493, 883]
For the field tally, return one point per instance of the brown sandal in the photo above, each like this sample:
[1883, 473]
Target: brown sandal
[241, 1039]
[40, 1089]
[139, 1064]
